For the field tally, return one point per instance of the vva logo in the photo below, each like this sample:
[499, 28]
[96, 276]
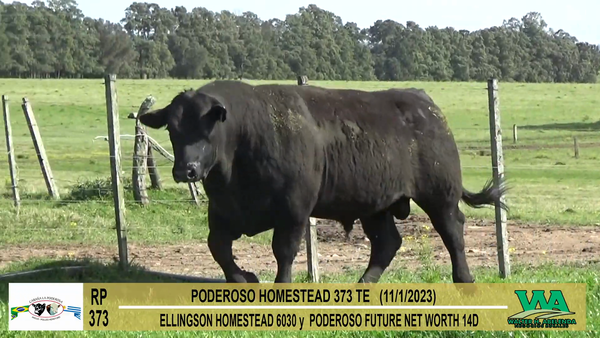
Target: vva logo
[544, 309]
[45, 308]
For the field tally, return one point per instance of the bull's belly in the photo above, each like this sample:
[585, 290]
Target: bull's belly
[250, 223]
[250, 214]
[347, 206]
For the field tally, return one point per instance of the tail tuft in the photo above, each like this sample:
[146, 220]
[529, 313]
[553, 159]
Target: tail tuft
[487, 196]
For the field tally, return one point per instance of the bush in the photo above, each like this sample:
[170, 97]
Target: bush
[98, 189]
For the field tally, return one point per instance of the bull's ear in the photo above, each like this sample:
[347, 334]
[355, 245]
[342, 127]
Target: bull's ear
[218, 112]
[155, 119]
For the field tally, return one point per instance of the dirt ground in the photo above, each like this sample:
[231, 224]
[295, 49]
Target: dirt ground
[528, 244]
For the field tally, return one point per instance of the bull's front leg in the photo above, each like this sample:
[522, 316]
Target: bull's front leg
[220, 244]
[286, 242]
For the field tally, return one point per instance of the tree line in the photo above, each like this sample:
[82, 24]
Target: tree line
[54, 39]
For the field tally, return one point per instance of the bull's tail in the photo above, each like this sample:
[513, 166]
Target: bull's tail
[487, 196]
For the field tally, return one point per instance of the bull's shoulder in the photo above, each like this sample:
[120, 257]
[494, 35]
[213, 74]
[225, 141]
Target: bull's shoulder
[231, 93]
[224, 85]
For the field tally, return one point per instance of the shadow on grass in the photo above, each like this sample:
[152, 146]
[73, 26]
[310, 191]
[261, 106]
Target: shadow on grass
[574, 126]
[101, 190]
[66, 271]
[27, 196]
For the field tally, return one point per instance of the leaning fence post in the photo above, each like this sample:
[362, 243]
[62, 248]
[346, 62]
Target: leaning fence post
[39, 149]
[498, 174]
[194, 192]
[12, 164]
[153, 170]
[140, 152]
[114, 136]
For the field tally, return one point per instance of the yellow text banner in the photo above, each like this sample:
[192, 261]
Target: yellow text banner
[473, 307]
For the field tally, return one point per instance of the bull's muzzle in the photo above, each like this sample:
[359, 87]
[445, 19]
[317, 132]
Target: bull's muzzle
[190, 173]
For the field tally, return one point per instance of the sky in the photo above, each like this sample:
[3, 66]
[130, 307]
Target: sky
[577, 17]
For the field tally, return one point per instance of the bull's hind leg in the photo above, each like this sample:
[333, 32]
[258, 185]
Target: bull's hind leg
[220, 244]
[449, 222]
[385, 242]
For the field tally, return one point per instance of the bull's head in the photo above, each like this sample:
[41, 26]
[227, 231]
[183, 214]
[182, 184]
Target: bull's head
[193, 120]
[39, 308]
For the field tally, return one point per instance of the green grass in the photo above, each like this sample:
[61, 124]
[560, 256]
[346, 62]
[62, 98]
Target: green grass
[548, 184]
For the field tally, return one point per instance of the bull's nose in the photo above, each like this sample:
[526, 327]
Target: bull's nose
[191, 171]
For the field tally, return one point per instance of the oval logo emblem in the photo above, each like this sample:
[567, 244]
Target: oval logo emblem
[46, 309]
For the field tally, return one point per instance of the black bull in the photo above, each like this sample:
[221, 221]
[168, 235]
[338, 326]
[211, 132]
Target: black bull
[272, 156]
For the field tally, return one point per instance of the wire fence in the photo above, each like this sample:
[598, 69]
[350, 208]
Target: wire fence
[552, 170]
[81, 223]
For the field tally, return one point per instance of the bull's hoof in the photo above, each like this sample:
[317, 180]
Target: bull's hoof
[237, 278]
[368, 278]
[250, 277]
[467, 289]
[467, 279]
[242, 277]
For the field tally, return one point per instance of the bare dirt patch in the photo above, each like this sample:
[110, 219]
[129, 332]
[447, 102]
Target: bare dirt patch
[529, 244]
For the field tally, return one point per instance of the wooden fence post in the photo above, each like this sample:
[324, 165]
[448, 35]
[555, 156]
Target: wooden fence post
[302, 80]
[194, 192]
[312, 256]
[138, 175]
[498, 174]
[150, 161]
[155, 182]
[575, 147]
[140, 153]
[12, 164]
[39, 149]
[114, 141]
[310, 236]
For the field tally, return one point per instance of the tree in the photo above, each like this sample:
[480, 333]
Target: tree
[53, 38]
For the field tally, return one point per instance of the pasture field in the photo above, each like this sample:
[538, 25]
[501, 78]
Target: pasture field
[554, 221]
